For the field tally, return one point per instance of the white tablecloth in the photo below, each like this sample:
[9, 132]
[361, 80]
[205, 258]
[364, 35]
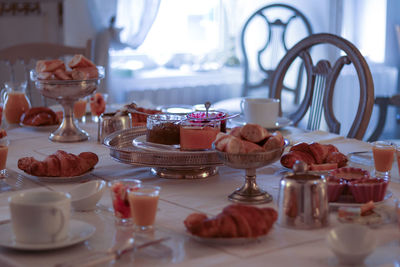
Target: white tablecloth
[179, 198]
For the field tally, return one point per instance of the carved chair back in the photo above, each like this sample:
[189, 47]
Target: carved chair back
[320, 84]
[276, 44]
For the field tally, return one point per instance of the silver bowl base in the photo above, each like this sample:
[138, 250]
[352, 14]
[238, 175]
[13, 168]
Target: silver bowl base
[67, 135]
[184, 173]
[259, 197]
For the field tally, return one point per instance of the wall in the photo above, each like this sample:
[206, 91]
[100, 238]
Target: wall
[21, 28]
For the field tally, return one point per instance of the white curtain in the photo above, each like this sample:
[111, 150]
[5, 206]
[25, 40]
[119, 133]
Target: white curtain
[136, 17]
[133, 18]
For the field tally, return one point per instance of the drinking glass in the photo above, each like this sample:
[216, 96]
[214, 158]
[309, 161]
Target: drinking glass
[4, 143]
[119, 195]
[80, 108]
[383, 153]
[144, 202]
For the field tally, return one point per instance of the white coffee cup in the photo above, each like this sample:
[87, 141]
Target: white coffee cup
[262, 111]
[40, 217]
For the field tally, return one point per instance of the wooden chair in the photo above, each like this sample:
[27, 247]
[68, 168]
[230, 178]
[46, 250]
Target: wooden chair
[320, 84]
[268, 56]
[383, 103]
[20, 59]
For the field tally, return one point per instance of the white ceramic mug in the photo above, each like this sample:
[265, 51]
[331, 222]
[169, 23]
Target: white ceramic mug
[262, 111]
[40, 217]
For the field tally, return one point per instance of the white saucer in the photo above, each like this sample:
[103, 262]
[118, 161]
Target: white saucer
[79, 231]
[280, 122]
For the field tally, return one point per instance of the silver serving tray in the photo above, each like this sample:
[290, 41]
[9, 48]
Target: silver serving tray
[122, 150]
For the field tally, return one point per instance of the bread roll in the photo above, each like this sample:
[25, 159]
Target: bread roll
[253, 133]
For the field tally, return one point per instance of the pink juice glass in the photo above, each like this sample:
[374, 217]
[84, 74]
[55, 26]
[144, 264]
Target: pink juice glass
[119, 195]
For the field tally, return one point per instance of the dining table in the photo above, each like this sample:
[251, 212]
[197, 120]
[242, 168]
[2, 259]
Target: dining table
[179, 198]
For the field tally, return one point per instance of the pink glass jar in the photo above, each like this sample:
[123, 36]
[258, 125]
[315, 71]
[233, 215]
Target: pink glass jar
[211, 116]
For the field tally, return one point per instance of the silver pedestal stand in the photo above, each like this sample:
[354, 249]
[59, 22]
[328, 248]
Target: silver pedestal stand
[250, 193]
[66, 92]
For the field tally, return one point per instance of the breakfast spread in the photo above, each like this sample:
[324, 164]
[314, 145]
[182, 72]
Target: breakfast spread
[204, 117]
[61, 164]
[248, 139]
[234, 221]
[39, 116]
[317, 156]
[198, 134]
[163, 129]
[55, 69]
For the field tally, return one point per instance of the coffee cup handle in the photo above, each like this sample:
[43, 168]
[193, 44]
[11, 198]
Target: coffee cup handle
[241, 106]
[3, 95]
[55, 211]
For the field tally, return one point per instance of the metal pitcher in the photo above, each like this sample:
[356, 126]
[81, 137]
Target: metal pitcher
[112, 122]
[303, 201]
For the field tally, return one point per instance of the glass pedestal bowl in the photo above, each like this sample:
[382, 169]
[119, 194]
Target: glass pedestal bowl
[67, 92]
[250, 192]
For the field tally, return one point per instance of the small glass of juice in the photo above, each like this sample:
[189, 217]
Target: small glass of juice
[383, 153]
[144, 201]
[4, 142]
[119, 195]
[80, 108]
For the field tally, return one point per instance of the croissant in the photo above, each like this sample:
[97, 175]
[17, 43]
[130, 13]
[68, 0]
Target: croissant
[38, 116]
[314, 154]
[234, 221]
[61, 164]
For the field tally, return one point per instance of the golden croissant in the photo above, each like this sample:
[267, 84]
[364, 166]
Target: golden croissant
[234, 221]
[61, 164]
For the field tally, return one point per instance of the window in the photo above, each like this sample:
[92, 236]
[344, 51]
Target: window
[184, 33]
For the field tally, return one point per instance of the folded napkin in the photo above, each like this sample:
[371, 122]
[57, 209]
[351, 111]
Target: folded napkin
[314, 136]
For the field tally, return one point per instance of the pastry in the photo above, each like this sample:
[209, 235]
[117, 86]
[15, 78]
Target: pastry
[234, 221]
[61, 164]
[248, 139]
[317, 156]
[39, 116]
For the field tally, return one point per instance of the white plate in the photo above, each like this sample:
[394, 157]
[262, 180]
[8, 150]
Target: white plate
[234, 241]
[79, 231]
[60, 179]
[44, 128]
[280, 122]
[344, 204]
[140, 142]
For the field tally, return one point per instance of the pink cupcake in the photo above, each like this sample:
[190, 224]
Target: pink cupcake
[348, 174]
[335, 188]
[365, 190]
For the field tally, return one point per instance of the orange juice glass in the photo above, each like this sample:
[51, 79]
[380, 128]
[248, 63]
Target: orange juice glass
[383, 153]
[80, 108]
[144, 201]
[4, 142]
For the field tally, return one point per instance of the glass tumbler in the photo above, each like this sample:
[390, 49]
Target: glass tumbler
[80, 108]
[119, 195]
[144, 201]
[383, 153]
